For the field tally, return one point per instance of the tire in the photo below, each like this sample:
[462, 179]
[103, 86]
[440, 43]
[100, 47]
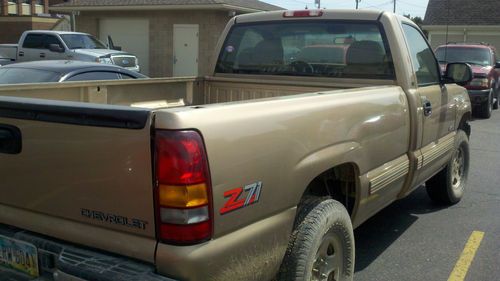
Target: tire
[448, 186]
[322, 244]
[486, 107]
[496, 102]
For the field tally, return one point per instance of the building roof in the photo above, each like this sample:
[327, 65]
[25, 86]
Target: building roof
[462, 12]
[241, 5]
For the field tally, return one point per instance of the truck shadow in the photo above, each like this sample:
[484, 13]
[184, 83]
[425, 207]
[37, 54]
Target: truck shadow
[375, 235]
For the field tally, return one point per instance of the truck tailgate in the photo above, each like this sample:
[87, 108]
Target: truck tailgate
[8, 51]
[78, 163]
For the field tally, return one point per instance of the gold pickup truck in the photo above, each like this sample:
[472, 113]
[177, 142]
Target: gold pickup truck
[312, 122]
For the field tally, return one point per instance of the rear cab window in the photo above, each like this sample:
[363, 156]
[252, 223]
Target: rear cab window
[325, 48]
[33, 41]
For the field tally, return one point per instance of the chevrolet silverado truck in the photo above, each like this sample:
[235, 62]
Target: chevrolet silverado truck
[61, 45]
[258, 172]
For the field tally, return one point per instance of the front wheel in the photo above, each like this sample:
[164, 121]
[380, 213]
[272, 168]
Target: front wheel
[448, 186]
[322, 244]
[486, 107]
[496, 102]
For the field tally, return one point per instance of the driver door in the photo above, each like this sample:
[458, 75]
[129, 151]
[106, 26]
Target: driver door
[438, 111]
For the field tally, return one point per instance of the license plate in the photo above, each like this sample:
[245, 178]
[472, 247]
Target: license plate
[19, 255]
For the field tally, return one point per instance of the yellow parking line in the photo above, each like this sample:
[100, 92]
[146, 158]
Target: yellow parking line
[465, 260]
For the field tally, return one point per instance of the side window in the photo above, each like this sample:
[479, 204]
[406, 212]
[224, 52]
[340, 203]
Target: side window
[50, 39]
[125, 76]
[33, 41]
[97, 75]
[423, 60]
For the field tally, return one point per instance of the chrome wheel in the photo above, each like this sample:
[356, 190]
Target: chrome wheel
[457, 168]
[329, 260]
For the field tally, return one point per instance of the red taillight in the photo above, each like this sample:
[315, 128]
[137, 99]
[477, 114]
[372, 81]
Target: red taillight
[182, 187]
[302, 14]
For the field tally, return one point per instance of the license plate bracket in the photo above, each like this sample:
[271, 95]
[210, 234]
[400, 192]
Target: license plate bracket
[19, 256]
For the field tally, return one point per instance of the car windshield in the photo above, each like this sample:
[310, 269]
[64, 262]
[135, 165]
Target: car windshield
[11, 75]
[307, 48]
[477, 56]
[82, 41]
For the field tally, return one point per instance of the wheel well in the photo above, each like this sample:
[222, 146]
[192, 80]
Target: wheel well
[338, 183]
[464, 123]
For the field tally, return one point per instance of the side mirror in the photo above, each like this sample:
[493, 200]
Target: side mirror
[497, 64]
[56, 48]
[458, 72]
[111, 44]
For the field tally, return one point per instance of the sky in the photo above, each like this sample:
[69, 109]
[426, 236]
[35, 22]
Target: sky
[412, 7]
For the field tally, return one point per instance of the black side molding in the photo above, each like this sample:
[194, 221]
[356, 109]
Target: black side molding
[10, 139]
[75, 113]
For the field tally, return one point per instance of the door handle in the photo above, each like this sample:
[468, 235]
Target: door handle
[175, 59]
[42, 55]
[427, 105]
[21, 54]
[10, 139]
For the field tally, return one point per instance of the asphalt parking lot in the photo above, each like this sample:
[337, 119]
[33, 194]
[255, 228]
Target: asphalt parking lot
[414, 239]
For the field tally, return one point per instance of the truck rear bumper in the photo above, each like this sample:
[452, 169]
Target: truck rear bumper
[58, 260]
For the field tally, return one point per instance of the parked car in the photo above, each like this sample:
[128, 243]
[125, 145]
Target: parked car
[61, 45]
[263, 176]
[484, 89]
[62, 71]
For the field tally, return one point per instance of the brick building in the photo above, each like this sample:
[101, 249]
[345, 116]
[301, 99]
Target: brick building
[17, 16]
[170, 37]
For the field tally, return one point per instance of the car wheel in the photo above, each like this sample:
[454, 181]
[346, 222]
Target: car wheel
[322, 244]
[448, 186]
[496, 102]
[486, 107]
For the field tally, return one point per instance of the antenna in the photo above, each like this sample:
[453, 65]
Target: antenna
[357, 3]
[394, 10]
[447, 28]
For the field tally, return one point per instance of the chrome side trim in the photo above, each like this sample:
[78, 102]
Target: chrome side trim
[389, 173]
[420, 161]
[438, 149]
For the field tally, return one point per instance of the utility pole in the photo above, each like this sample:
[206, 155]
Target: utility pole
[357, 3]
[394, 10]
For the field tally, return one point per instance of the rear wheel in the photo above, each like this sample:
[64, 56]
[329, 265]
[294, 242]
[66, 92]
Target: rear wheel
[322, 244]
[448, 186]
[486, 107]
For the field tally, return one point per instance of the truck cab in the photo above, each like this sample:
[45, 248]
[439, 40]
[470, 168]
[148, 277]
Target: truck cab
[58, 45]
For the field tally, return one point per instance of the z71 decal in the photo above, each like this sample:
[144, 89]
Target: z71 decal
[235, 201]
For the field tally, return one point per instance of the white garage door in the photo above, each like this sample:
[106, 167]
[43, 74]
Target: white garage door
[490, 39]
[130, 34]
[440, 39]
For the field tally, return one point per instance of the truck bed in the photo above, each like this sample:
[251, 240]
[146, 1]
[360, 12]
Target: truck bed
[90, 177]
[8, 53]
[168, 92]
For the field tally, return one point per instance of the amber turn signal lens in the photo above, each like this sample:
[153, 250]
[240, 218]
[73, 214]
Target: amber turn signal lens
[186, 196]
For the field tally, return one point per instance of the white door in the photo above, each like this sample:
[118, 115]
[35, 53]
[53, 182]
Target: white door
[131, 34]
[186, 49]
